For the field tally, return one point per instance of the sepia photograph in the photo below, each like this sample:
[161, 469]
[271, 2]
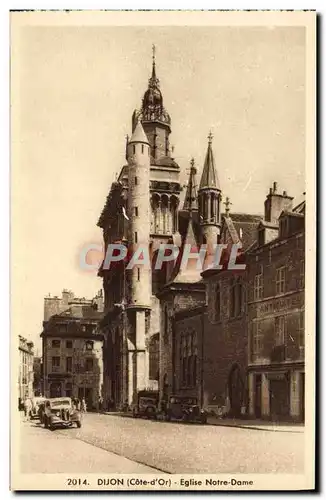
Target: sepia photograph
[163, 247]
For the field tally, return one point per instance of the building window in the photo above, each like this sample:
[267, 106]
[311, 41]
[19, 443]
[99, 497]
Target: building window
[302, 274]
[136, 237]
[236, 298]
[69, 364]
[89, 365]
[188, 359]
[69, 344]
[166, 324]
[138, 274]
[301, 331]
[279, 330]
[55, 363]
[259, 284]
[280, 280]
[136, 211]
[217, 305]
[136, 181]
[55, 343]
[257, 339]
[134, 149]
[142, 148]
[89, 345]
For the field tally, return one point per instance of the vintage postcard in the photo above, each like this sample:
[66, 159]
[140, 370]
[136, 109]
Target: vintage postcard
[163, 221]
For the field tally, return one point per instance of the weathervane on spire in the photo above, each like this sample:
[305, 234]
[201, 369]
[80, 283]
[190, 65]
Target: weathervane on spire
[227, 204]
[153, 50]
[210, 137]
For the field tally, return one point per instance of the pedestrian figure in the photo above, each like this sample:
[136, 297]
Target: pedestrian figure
[83, 406]
[27, 407]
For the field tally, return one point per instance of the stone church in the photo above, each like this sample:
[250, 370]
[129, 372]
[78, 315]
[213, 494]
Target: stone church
[143, 207]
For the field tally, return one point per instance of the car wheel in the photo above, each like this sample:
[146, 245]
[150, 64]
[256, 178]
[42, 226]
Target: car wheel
[78, 423]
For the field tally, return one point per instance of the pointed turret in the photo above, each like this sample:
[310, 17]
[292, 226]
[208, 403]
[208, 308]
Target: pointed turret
[139, 134]
[209, 178]
[191, 201]
[209, 197]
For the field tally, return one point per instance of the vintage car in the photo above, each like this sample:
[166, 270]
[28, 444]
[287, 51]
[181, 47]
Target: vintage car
[60, 412]
[34, 411]
[147, 405]
[184, 408]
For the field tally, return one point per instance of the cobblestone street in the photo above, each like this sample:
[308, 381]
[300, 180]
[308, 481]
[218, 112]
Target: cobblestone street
[114, 444]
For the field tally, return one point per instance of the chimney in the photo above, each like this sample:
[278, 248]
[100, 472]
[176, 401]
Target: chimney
[276, 203]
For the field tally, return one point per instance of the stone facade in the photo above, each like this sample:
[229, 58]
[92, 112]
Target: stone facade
[72, 352]
[276, 306]
[25, 376]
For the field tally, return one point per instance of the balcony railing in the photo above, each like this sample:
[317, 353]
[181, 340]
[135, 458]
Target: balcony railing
[56, 369]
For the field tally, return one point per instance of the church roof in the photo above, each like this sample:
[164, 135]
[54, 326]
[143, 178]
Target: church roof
[139, 134]
[209, 178]
[242, 228]
[191, 199]
[188, 273]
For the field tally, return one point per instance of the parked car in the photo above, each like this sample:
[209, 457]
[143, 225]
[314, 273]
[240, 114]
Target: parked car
[184, 408]
[60, 412]
[147, 404]
[34, 411]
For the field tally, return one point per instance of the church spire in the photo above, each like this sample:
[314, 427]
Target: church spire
[191, 202]
[209, 179]
[153, 65]
[209, 198]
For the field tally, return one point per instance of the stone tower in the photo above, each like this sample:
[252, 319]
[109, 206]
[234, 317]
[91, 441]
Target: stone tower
[164, 186]
[209, 199]
[139, 276]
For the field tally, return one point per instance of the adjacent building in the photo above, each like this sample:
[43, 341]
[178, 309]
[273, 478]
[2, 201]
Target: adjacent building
[276, 305]
[25, 376]
[72, 351]
[38, 376]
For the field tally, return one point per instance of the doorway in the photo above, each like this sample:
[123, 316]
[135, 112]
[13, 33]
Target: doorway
[279, 399]
[235, 387]
[258, 395]
[302, 397]
[55, 390]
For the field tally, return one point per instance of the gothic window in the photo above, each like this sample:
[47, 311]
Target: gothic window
[136, 181]
[136, 237]
[188, 359]
[212, 216]
[166, 324]
[136, 211]
[134, 149]
[217, 303]
[142, 148]
[235, 298]
[138, 274]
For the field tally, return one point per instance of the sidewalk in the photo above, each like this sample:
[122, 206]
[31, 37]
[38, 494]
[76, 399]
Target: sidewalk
[260, 425]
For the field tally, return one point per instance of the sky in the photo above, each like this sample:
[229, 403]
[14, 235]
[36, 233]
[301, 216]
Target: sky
[77, 89]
